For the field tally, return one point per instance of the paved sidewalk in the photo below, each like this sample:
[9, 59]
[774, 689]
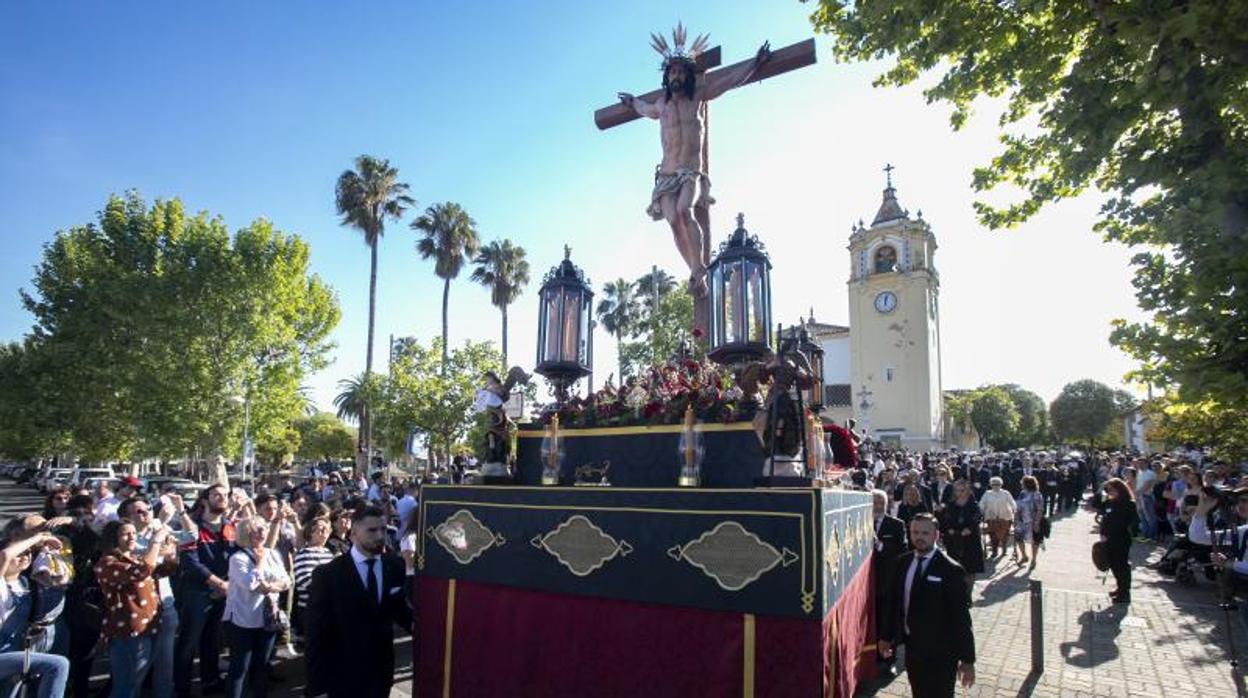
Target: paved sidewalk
[1171, 640]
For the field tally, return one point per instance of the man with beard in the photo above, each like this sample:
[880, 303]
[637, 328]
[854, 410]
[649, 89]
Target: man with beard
[205, 566]
[353, 602]
[681, 193]
[931, 616]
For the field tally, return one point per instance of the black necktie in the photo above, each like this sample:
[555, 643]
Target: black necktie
[373, 591]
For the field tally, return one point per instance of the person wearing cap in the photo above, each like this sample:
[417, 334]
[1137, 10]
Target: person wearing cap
[106, 507]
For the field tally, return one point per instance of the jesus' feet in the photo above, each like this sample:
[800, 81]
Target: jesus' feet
[697, 284]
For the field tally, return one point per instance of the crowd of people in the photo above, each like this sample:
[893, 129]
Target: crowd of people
[149, 583]
[954, 511]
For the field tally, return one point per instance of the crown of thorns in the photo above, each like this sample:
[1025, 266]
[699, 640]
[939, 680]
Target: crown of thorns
[676, 50]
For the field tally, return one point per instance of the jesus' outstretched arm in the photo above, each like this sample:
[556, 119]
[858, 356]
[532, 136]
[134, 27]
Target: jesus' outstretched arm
[726, 79]
[639, 105]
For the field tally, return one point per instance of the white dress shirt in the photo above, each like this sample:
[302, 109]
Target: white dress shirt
[361, 568]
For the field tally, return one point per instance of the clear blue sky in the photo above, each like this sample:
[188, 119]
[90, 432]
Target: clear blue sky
[253, 109]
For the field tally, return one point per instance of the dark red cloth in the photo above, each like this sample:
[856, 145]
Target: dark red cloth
[849, 636]
[515, 642]
[844, 452]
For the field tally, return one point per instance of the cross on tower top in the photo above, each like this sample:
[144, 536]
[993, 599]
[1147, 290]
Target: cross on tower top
[888, 171]
[567, 252]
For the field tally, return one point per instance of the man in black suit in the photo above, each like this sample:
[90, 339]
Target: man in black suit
[354, 600]
[931, 616]
[890, 544]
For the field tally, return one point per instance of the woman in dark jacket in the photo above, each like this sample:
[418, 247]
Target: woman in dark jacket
[1119, 521]
[911, 503]
[960, 530]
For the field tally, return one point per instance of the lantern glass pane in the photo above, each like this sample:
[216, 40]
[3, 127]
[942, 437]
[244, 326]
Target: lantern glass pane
[550, 352]
[734, 313]
[582, 354]
[717, 307]
[757, 322]
[571, 323]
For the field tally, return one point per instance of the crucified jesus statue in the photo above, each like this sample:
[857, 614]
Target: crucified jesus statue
[681, 194]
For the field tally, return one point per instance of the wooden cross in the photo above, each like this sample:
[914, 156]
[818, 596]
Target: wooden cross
[780, 61]
[783, 60]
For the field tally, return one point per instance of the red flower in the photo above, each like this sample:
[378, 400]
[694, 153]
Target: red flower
[697, 333]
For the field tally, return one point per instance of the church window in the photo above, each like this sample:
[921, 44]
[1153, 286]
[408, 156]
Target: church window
[888, 374]
[885, 259]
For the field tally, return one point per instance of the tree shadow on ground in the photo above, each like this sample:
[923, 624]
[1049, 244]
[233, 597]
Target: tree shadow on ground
[1098, 632]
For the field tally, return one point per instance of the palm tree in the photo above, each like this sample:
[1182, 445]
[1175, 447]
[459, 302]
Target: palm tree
[654, 285]
[618, 311]
[450, 238]
[349, 402]
[502, 268]
[366, 197]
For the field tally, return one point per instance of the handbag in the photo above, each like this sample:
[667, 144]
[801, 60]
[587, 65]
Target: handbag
[275, 619]
[1100, 555]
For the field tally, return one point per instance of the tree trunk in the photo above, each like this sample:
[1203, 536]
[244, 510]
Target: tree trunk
[446, 294]
[504, 338]
[366, 435]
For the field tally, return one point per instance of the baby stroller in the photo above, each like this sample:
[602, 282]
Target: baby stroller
[1183, 559]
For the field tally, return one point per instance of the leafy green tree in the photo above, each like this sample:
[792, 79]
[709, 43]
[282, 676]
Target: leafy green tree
[366, 197]
[659, 339]
[151, 326]
[29, 426]
[618, 312]
[450, 239]
[502, 268]
[323, 436]
[1084, 411]
[419, 396]
[1033, 418]
[1222, 428]
[1142, 100]
[994, 416]
[655, 283]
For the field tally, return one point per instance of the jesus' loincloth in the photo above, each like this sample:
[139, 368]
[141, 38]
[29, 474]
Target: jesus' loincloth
[672, 183]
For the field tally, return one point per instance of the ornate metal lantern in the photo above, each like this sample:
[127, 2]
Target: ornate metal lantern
[812, 396]
[740, 299]
[565, 339]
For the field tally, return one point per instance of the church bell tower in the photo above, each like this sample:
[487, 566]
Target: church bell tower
[894, 319]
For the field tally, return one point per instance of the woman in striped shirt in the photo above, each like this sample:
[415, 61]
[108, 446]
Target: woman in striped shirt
[313, 554]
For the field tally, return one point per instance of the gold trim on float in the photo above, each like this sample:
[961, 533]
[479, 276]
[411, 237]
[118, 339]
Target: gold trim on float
[809, 578]
[747, 655]
[571, 433]
[448, 639]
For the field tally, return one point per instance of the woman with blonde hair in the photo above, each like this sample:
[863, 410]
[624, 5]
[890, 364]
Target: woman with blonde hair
[911, 503]
[252, 614]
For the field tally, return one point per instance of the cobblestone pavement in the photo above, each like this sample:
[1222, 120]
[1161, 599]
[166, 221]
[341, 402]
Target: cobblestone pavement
[1170, 641]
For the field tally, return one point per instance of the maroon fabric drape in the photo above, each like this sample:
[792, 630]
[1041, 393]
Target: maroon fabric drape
[849, 636]
[514, 642]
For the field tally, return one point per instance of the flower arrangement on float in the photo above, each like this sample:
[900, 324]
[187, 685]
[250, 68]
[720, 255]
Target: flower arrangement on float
[660, 395]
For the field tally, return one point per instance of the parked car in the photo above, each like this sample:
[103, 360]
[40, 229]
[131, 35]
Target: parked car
[45, 483]
[25, 475]
[81, 475]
